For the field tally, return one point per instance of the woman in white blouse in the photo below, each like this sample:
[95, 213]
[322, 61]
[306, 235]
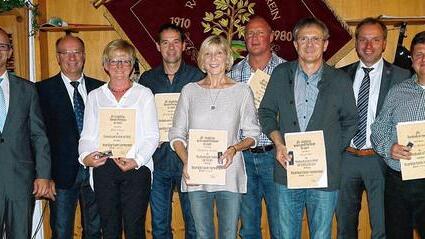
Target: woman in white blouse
[216, 103]
[122, 185]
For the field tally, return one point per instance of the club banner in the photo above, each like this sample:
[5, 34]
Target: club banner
[140, 20]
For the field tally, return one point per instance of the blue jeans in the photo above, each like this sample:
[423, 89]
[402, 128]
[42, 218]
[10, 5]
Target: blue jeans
[320, 210]
[202, 207]
[62, 210]
[259, 170]
[161, 198]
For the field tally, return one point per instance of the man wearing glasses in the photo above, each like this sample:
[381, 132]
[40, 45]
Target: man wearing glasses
[362, 169]
[24, 149]
[308, 95]
[62, 99]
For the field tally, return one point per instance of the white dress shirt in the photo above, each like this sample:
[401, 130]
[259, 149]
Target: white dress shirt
[375, 85]
[137, 97]
[4, 84]
[70, 89]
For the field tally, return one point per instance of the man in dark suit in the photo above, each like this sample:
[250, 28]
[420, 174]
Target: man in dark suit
[362, 169]
[62, 100]
[308, 95]
[24, 150]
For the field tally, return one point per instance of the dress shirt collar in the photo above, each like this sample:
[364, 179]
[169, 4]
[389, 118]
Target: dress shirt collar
[68, 81]
[5, 77]
[315, 75]
[273, 61]
[377, 67]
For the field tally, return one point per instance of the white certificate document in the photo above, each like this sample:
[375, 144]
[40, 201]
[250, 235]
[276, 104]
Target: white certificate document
[165, 106]
[307, 169]
[258, 83]
[117, 130]
[412, 134]
[204, 151]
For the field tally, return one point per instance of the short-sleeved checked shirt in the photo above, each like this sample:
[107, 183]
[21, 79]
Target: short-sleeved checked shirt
[242, 71]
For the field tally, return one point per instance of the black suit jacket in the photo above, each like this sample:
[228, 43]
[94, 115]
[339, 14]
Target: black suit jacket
[391, 75]
[335, 113]
[62, 129]
[24, 148]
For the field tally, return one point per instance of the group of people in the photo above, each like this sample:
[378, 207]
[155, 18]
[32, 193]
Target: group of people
[49, 138]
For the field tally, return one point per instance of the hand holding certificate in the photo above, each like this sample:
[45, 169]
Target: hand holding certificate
[412, 135]
[307, 166]
[205, 151]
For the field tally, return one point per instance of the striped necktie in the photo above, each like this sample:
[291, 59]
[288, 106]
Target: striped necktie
[2, 108]
[359, 139]
[78, 106]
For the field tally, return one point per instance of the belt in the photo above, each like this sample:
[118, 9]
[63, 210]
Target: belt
[261, 149]
[360, 152]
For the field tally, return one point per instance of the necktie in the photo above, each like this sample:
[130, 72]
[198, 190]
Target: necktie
[359, 139]
[2, 108]
[78, 106]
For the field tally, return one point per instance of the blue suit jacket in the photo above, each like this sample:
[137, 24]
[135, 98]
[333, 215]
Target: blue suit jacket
[62, 129]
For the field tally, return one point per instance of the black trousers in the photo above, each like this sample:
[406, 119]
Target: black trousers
[360, 173]
[122, 198]
[404, 206]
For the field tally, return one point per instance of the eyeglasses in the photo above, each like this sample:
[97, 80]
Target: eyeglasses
[70, 53]
[418, 56]
[314, 40]
[4, 47]
[115, 62]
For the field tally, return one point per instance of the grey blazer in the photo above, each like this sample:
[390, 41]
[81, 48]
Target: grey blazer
[24, 148]
[335, 113]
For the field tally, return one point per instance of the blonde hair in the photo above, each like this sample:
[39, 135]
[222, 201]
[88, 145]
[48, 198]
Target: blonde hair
[218, 42]
[118, 45]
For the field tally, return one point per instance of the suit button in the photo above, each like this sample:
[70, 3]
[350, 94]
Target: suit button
[295, 123]
[291, 102]
[1, 140]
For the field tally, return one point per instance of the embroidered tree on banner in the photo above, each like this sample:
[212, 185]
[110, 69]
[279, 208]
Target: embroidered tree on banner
[229, 20]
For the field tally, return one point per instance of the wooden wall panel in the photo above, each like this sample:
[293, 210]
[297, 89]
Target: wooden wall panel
[81, 11]
[75, 12]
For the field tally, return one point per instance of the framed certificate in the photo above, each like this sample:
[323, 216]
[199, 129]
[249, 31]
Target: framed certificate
[258, 83]
[117, 129]
[412, 134]
[165, 106]
[205, 149]
[307, 168]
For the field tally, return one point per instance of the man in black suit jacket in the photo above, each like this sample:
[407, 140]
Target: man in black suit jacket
[362, 169]
[24, 150]
[308, 95]
[63, 113]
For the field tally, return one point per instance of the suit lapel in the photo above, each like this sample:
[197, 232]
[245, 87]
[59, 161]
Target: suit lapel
[352, 70]
[385, 84]
[12, 101]
[291, 92]
[89, 84]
